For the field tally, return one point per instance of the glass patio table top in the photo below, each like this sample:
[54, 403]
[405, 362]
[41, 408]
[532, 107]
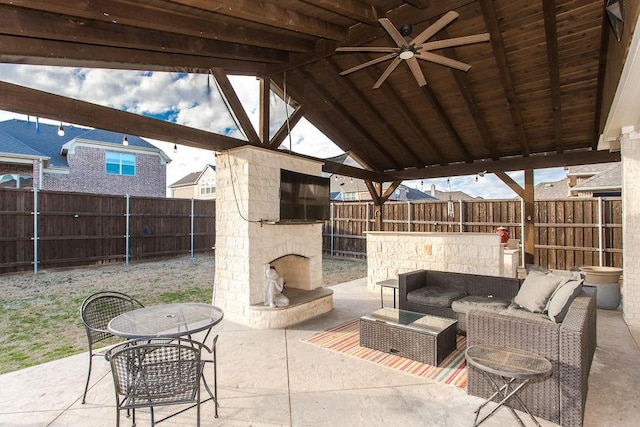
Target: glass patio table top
[166, 320]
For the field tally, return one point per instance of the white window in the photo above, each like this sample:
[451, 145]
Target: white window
[120, 164]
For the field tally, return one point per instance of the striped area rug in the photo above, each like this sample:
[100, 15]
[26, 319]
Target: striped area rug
[346, 339]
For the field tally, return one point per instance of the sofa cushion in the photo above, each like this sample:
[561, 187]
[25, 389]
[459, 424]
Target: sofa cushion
[536, 290]
[435, 295]
[463, 305]
[561, 299]
[517, 311]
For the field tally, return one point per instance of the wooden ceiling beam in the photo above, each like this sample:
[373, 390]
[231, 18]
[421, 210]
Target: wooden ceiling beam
[497, 43]
[353, 9]
[267, 13]
[153, 18]
[23, 50]
[23, 100]
[551, 35]
[49, 26]
[511, 164]
[420, 4]
[236, 106]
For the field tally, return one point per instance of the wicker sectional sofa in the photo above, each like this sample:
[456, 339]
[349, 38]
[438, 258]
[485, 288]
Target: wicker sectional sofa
[569, 346]
[433, 292]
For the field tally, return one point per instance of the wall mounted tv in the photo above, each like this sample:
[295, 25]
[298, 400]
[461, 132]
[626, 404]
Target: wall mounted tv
[303, 197]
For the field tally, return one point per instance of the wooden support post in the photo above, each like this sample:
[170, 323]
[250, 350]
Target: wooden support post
[378, 197]
[529, 219]
[527, 195]
[265, 114]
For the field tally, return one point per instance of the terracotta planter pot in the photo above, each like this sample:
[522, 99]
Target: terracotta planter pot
[607, 280]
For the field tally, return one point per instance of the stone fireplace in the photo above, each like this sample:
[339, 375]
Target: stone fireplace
[250, 239]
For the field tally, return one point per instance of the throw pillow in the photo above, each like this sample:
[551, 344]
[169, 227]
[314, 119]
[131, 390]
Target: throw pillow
[561, 299]
[536, 290]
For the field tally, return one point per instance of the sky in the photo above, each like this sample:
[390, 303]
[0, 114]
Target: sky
[194, 100]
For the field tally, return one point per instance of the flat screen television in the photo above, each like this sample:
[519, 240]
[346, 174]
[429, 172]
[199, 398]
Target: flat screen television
[303, 197]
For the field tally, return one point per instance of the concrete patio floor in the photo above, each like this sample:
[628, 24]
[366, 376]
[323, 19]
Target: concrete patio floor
[274, 378]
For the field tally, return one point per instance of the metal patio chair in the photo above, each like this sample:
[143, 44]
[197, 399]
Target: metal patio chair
[148, 373]
[96, 312]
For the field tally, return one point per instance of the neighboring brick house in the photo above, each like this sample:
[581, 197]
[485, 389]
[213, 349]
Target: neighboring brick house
[196, 185]
[33, 154]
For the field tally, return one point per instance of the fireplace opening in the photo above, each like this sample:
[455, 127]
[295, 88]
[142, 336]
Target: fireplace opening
[295, 269]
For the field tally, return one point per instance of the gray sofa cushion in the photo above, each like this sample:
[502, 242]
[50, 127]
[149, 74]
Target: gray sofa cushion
[435, 296]
[561, 299]
[536, 291]
[475, 302]
[515, 310]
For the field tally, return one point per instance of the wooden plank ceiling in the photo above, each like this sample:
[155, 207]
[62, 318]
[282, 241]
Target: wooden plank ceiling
[531, 98]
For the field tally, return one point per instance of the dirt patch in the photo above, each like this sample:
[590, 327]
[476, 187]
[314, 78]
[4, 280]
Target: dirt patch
[39, 314]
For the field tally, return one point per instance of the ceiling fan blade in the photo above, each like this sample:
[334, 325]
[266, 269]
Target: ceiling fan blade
[457, 41]
[443, 60]
[393, 32]
[367, 49]
[387, 72]
[435, 27]
[366, 64]
[416, 71]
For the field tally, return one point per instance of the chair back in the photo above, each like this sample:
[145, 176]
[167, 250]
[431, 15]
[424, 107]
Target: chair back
[98, 310]
[154, 372]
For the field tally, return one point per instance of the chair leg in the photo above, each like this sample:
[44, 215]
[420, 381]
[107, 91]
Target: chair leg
[86, 387]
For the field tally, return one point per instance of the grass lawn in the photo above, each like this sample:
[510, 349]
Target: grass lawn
[40, 314]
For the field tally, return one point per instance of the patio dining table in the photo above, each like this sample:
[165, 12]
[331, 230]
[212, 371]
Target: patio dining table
[166, 321]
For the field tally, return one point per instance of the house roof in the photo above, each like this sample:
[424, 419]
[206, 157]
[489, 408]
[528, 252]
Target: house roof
[608, 179]
[537, 93]
[552, 190]
[191, 178]
[32, 138]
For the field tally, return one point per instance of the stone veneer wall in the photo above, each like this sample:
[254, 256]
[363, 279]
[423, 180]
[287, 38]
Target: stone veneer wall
[391, 253]
[630, 150]
[247, 236]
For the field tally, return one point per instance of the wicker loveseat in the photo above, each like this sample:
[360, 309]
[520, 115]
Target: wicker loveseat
[569, 346]
[434, 292]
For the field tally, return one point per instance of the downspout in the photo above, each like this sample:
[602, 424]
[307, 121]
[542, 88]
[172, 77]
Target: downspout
[40, 173]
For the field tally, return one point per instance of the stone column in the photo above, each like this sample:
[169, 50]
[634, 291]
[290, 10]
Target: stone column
[630, 153]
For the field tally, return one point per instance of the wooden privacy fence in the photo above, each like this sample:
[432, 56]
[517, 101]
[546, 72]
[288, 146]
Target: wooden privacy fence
[568, 232]
[41, 229]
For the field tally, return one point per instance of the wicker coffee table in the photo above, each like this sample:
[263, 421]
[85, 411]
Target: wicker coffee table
[417, 336]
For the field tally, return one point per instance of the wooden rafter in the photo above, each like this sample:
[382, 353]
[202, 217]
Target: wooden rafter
[278, 138]
[366, 106]
[42, 52]
[50, 26]
[346, 115]
[353, 9]
[265, 110]
[551, 36]
[269, 14]
[499, 51]
[208, 26]
[236, 106]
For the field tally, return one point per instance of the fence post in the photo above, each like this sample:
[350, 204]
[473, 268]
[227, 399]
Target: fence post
[408, 215]
[367, 217]
[600, 232]
[331, 228]
[35, 231]
[460, 204]
[193, 258]
[126, 237]
[522, 254]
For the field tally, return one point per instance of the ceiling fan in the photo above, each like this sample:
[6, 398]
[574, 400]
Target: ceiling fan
[418, 48]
